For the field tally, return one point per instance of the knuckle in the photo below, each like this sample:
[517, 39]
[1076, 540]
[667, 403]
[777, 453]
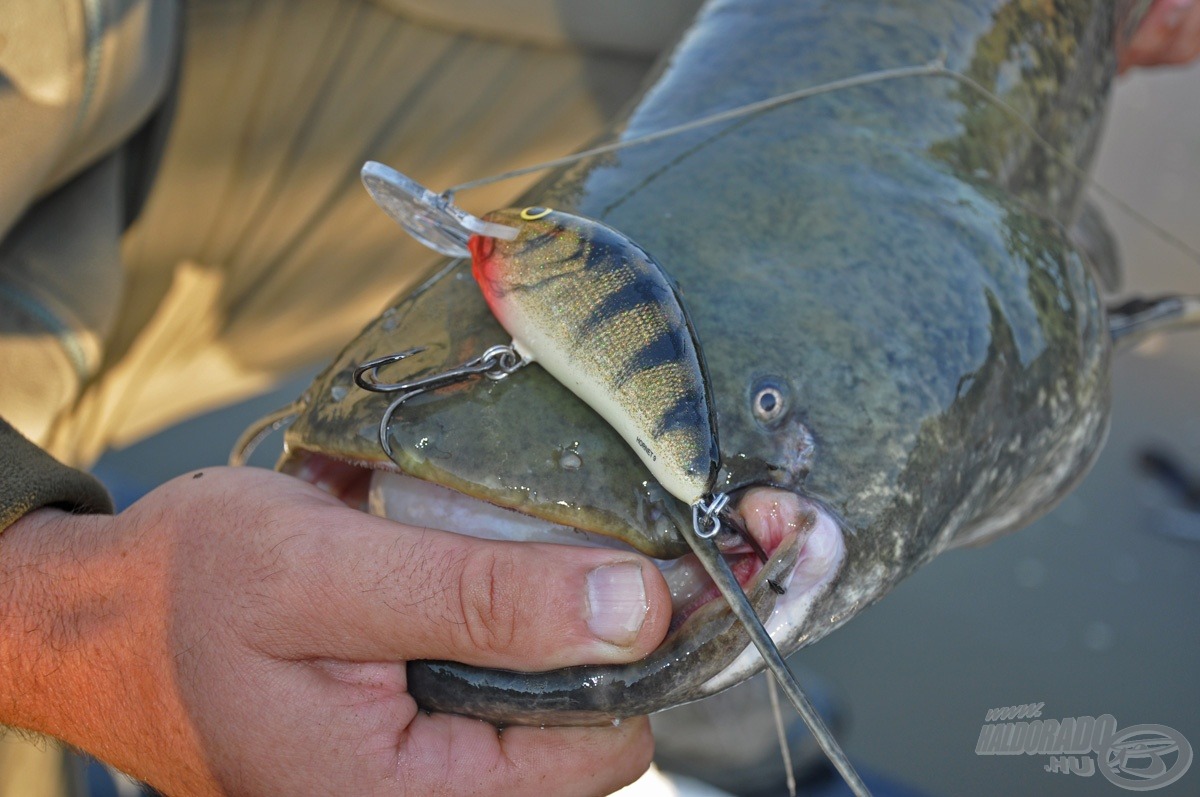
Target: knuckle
[489, 605]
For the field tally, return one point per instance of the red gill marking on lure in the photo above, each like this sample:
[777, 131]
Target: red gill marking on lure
[484, 265]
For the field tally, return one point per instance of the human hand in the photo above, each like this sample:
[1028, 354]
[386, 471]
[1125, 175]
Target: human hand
[1169, 34]
[240, 631]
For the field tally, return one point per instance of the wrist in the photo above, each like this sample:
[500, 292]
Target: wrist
[42, 579]
[76, 657]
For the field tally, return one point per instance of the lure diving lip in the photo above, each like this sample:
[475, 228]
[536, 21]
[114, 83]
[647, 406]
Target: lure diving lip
[430, 218]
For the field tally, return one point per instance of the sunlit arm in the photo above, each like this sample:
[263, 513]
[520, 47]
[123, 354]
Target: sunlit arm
[82, 650]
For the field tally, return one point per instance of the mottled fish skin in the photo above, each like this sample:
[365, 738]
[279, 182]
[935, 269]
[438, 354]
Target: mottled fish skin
[602, 317]
[890, 262]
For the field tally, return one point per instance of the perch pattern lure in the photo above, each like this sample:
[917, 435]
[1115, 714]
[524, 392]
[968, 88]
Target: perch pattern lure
[601, 316]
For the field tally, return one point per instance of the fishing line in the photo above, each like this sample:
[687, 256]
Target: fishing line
[925, 70]
[1182, 246]
[781, 732]
[935, 68]
[718, 569]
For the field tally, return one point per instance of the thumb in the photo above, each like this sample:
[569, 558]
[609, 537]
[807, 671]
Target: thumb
[375, 589]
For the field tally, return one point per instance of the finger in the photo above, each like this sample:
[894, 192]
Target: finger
[1149, 38]
[445, 754]
[1185, 44]
[373, 589]
[1157, 34]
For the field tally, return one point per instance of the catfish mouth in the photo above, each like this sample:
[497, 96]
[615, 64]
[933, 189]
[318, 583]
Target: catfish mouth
[778, 520]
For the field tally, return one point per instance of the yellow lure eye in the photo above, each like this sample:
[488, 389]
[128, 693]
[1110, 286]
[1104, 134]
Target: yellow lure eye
[533, 214]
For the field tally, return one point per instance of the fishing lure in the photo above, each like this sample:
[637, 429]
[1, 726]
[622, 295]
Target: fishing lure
[591, 307]
[603, 318]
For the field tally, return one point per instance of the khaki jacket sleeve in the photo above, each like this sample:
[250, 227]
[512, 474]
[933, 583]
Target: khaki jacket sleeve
[78, 80]
[31, 479]
[77, 77]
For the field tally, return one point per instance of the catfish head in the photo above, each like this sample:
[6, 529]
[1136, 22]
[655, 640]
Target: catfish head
[867, 422]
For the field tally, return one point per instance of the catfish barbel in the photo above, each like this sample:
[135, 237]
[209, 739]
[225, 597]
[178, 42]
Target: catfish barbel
[906, 350]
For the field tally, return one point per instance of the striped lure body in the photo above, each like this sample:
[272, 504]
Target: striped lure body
[602, 318]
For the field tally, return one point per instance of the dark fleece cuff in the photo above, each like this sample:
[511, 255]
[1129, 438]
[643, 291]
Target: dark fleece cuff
[31, 479]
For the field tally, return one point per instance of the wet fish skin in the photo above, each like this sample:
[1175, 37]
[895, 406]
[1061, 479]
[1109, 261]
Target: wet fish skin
[891, 260]
[591, 694]
[601, 316]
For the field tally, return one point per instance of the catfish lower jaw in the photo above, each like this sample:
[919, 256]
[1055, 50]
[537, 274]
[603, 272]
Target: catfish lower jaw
[705, 650]
[707, 653]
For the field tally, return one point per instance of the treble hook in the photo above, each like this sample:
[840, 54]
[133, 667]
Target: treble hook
[496, 363]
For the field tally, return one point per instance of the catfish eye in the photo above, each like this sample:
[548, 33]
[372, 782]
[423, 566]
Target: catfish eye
[767, 400]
